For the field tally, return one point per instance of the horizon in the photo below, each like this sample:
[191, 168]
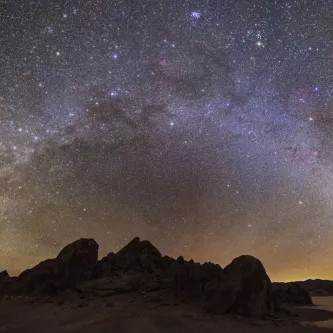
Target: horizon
[104, 253]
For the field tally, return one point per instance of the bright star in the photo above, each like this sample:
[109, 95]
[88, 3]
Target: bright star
[196, 15]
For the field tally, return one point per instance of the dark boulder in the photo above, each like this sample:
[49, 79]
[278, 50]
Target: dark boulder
[73, 265]
[251, 287]
[243, 287]
[181, 260]
[32, 280]
[78, 260]
[296, 294]
[4, 275]
[191, 279]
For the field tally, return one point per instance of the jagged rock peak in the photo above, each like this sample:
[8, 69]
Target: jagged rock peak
[79, 247]
[136, 246]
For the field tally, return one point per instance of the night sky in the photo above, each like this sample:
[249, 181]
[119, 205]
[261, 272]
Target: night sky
[204, 126]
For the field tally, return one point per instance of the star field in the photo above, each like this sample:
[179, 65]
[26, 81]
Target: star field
[203, 126]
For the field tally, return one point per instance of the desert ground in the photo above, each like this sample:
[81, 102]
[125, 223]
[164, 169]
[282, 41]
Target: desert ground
[325, 304]
[131, 313]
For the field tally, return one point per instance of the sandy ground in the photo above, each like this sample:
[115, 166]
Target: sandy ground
[131, 314]
[326, 304]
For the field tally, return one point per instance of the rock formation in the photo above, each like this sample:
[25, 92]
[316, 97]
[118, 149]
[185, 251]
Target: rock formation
[73, 265]
[243, 287]
[294, 294]
[253, 288]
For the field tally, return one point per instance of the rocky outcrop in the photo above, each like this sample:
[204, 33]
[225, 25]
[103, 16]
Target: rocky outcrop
[251, 286]
[243, 287]
[78, 260]
[294, 294]
[137, 247]
[191, 279]
[136, 256]
[73, 265]
[298, 295]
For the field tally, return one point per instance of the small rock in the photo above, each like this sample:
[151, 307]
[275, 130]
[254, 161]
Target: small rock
[109, 304]
[61, 302]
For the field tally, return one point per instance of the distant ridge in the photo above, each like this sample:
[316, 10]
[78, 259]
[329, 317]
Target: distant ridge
[311, 285]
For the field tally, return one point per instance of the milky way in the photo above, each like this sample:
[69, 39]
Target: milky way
[203, 126]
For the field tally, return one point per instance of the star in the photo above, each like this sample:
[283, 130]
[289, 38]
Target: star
[196, 15]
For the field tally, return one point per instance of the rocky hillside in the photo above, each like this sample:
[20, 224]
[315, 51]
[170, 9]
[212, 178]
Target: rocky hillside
[241, 288]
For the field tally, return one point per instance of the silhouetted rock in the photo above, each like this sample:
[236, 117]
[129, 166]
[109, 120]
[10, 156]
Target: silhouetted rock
[78, 259]
[294, 294]
[190, 279]
[73, 265]
[243, 287]
[135, 247]
[136, 256]
[3, 277]
[298, 295]
[180, 260]
[48, 272]
[252, 287]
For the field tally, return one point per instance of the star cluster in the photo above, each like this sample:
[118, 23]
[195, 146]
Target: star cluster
[203, 126]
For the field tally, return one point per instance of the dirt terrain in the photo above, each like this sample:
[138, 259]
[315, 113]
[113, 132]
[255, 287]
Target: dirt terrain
[136, 313]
